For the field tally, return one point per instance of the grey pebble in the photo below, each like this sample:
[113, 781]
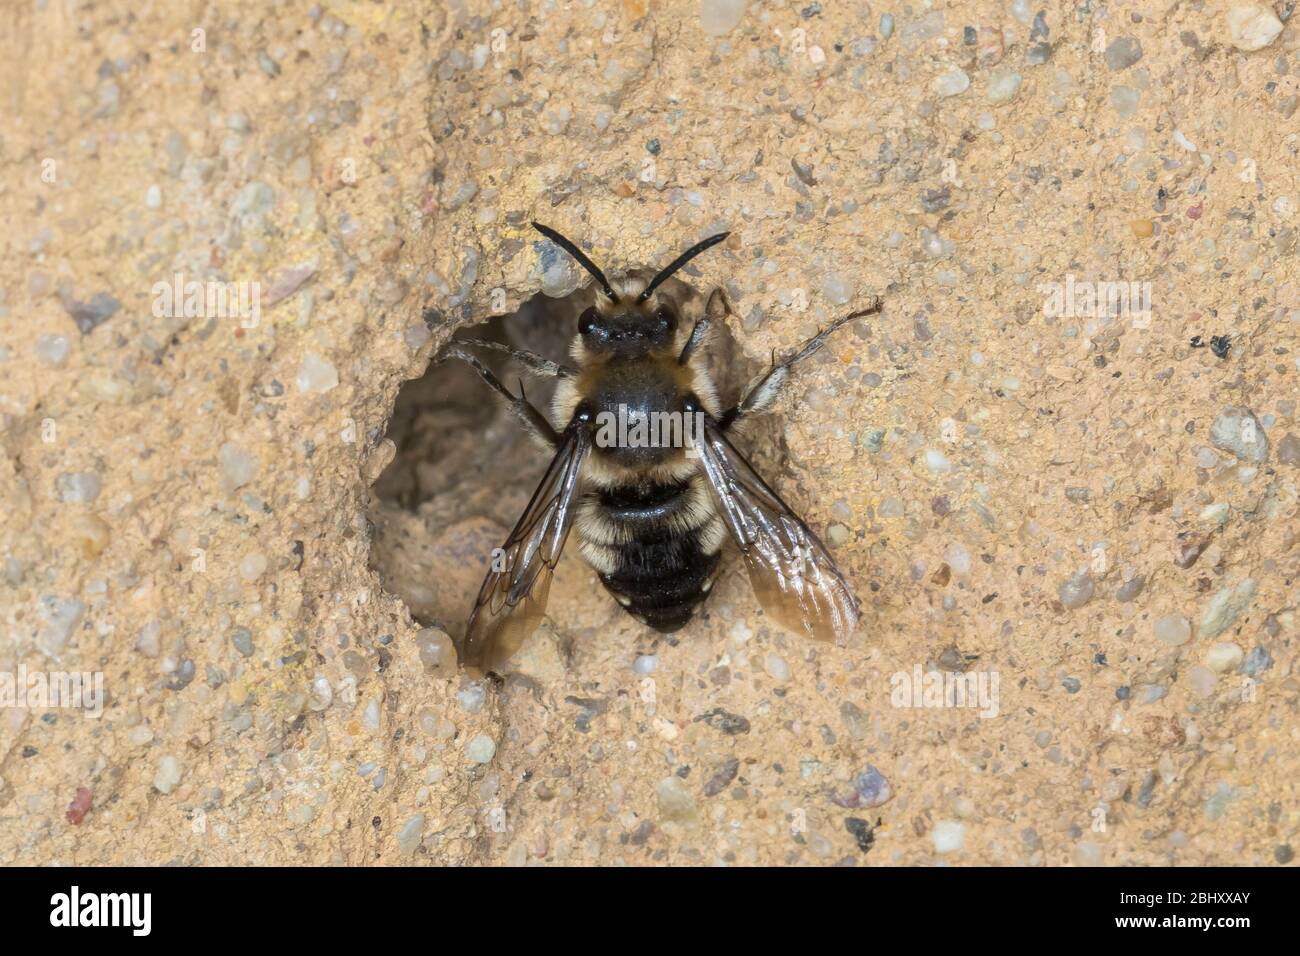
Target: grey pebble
[97, 311]
[1122, 53]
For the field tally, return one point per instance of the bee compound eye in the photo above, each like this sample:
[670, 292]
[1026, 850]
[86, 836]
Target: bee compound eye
[586, 320]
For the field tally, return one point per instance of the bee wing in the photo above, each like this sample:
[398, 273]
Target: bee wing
[793, 576]
[513, 596]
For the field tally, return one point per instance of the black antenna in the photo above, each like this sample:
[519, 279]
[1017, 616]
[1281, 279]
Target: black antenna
[680, 261]
[569, 247]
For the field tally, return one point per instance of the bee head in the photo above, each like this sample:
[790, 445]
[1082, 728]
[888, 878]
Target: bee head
[627, 329]
[623, 324]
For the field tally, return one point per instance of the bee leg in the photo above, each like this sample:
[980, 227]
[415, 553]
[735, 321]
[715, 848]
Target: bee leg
[763, 391]
[524, 410]
[715, 310]
[537, 364]
[698, 334]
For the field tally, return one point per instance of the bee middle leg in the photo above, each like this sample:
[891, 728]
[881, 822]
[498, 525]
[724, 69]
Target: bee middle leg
[763, 391]
[524, 410]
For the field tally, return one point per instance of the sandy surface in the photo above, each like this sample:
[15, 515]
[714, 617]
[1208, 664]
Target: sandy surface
[1085, 507]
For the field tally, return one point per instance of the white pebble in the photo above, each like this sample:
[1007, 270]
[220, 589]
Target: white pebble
[1173, 629]
[149, 641]
[53, 349]
[1224, 657]
[168, 775]
[412, 832]
[776, 667]
[948, 835]
[1003, 86]
[481, 749]
[238, 467]
[720, 17]
[60, 617]
[79, 487]
[952, 83]
[253, 566]
[1252, 26]
[937, 462]
[958, 557]
[316, 375]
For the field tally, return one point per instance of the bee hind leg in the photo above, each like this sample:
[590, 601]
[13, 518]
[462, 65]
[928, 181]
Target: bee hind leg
[763, 391]
[524, 410]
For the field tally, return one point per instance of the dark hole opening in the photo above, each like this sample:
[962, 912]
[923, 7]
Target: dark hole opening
[465, 469]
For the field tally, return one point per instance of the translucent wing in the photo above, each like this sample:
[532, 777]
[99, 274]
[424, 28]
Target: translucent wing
[793, 576]
[513, 596]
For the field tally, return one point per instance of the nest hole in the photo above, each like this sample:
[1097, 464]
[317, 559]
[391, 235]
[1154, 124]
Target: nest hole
[464, 469]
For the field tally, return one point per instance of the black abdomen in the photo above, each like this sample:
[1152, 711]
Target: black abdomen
[660, 550]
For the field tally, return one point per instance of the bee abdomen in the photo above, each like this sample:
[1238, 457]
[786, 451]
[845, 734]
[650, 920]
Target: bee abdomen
[662, 581]
[655, 546]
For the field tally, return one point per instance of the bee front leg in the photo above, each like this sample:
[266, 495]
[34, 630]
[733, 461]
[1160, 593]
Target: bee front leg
[527, 414]
[537, 364]
[715, 310]
[763, 391]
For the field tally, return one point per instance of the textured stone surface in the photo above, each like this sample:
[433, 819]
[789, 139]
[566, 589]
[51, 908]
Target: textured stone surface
[374, 167]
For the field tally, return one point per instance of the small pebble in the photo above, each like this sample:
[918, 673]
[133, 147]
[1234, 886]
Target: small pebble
[1252, 26]
[948, 836]
[776, 667]
[1122, 53]
[410, 835]
[238, 467]
[437, 653]
[1236, 429]
[675, 801]
[720, 17]
[937, 462]
[1003, 86]
[79, 488]
[316, 375]
[472, 696]
[53, 349]
[60, 617]
[149, 641]
[952, 83]
[481, 749]
[252, 566]
[89, 315]
[168, 775]
[1226, 606]
[1077, 590]
[1172, 629]
[242, 638]
[1130, 589]
[1224, 657]
[1257, 661]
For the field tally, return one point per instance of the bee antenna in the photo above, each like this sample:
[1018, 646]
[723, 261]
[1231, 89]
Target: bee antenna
[680, 261]
[581, 257]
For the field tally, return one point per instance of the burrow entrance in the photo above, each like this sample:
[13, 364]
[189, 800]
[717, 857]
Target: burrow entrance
[464, 469]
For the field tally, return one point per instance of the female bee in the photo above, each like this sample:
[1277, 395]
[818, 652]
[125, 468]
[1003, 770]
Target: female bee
[651, 516]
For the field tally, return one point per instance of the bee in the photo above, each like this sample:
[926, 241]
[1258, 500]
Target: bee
[651, 517]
